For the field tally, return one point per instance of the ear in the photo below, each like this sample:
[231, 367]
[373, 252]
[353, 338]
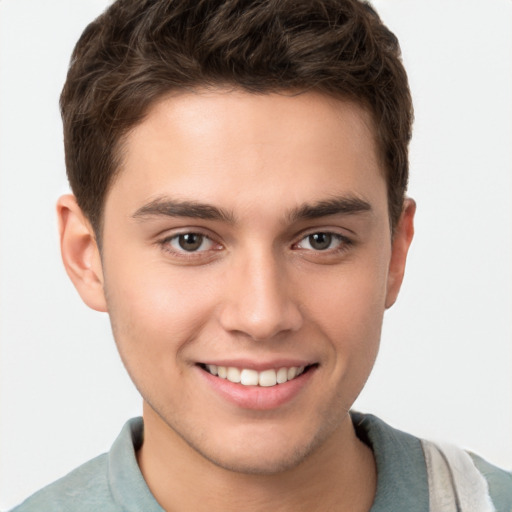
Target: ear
[402, 238]
[80, 253]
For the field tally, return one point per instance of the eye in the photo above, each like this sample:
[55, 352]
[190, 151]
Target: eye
[190, 242]
[322, 241]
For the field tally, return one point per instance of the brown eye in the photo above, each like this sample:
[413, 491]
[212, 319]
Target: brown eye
[320, 241]
[324, 241]
[190, 241]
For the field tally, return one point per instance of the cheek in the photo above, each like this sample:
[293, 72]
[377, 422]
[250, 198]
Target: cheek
[155, 311]
[351, 321]
[348, 307]
[351, 299]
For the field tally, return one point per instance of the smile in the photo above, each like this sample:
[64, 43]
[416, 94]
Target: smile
[250, 377]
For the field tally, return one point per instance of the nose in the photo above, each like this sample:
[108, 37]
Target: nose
[259, 300]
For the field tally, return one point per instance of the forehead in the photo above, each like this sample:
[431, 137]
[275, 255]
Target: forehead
[238, 148]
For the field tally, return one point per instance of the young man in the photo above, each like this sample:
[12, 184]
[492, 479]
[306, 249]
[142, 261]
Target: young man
[239, 173]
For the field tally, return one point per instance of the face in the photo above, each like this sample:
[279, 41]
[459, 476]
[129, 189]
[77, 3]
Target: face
[246, 238]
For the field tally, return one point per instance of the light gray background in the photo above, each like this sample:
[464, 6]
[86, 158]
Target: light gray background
[445, 368]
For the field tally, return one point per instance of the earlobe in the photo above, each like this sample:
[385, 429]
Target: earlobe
[402, 239]
[80, 253]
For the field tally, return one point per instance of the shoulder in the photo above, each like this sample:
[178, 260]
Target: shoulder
[84, 489]
[466, 480]
[499, 482]
[111, 482]
[433, 473]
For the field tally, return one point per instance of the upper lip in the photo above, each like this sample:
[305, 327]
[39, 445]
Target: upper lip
[259, 365]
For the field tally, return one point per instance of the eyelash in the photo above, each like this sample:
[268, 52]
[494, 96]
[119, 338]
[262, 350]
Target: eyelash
[343, 244]
[166, 244]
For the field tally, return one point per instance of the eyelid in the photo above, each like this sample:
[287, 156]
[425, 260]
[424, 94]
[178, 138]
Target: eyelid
[164, 242]
[335, 236]
[344, 244]
[204, 241]
[326, 231]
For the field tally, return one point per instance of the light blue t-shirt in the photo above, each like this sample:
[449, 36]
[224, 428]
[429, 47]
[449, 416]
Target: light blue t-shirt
[113, 482]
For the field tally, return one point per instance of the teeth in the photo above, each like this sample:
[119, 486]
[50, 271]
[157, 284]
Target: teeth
[233, 374]
[212, 368]
[268, 378]
[282, 375]
[248, 377]
[292, 372]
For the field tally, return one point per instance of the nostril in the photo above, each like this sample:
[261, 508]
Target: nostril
[259, 324]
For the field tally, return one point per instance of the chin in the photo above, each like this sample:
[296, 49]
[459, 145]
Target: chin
[251, 464]
[270, 456]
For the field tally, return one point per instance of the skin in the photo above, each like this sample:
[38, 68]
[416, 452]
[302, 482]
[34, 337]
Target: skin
[257, 290]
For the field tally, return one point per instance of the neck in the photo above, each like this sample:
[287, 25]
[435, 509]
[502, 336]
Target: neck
[340, 475]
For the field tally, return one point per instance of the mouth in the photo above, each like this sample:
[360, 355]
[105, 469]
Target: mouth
[250, 377]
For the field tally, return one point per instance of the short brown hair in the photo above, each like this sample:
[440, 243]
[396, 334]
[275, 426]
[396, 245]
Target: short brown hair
[139, 50]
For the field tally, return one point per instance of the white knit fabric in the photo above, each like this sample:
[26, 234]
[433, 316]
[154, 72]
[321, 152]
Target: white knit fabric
[455, 484]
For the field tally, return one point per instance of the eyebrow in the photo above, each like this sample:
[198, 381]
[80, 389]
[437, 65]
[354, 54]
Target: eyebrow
[172, 208]
[338, 205]
[167, 207]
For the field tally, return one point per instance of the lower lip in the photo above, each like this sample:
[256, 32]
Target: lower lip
[258, 397]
